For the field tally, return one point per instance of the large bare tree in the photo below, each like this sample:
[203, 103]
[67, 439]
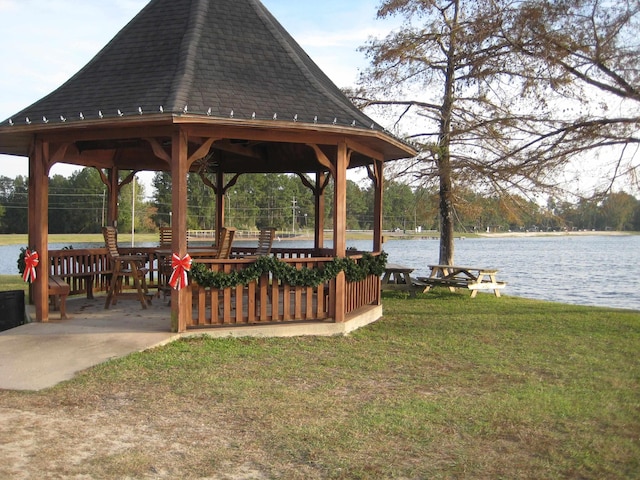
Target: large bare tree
[588, 53]
[488, 92]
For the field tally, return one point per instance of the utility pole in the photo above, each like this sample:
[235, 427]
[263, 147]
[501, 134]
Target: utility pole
[133, 211]
[293, 222]
[103, 202]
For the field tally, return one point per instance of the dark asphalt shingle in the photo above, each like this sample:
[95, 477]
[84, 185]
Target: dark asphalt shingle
[221, 55]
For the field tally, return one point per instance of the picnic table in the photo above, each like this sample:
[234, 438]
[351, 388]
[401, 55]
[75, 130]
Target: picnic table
[398, 277]
[472, 278]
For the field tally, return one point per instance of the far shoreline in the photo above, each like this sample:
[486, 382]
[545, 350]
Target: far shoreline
[433, 235]
[585, 233]
[125, 238]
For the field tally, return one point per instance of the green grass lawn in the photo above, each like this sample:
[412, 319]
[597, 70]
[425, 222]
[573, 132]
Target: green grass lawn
[13, 282]
[444, 386]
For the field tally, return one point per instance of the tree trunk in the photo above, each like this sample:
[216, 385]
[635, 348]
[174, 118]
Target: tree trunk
[446, 211]
[443, 152]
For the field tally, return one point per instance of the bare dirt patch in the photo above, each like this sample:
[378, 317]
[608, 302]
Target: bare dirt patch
[117, 438]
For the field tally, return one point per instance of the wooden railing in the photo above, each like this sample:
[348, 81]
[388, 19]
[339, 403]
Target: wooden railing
[270, 300]
[285, 252]
[87, 270]
[266, 300]
[360, 294]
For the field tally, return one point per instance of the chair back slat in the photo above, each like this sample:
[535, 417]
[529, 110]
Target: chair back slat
[166, 236]
[265, 241]
[225, 242]
[110, 235]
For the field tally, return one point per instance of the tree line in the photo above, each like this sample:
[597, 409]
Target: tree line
[78, 203]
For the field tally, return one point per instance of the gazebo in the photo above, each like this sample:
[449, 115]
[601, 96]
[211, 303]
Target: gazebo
[220, 88]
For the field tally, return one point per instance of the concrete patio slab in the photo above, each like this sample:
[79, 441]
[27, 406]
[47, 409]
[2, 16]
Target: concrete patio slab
[40, 355]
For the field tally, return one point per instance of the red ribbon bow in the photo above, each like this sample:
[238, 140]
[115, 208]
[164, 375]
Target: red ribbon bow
[181, 266]
[31, 261]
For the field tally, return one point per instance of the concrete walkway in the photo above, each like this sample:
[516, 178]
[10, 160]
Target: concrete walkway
[40, 355]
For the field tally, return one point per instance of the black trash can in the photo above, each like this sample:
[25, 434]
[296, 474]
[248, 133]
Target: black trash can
[11, 309]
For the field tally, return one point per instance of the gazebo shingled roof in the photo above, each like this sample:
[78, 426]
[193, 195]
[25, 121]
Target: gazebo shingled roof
[221, 59]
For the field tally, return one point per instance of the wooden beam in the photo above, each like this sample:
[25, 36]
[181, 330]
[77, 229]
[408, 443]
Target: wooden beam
[270, 131]
[323, 159]
[127, 180]
[305, 181]
[104, 178]
[158, 150]
[240, 150]
[364, 150]
[231, 183]
[378, 185]
[202, 151]
[219, 202]
[371, 174]
[114, 186]
[180, 299]
[112, 210]
[340, 201]
[39, 225]
[318, 235]
[318, 195]
[60, 153]
[208, 182]
[94, 158]
[221, 190]
[100, 132]
[340, 226]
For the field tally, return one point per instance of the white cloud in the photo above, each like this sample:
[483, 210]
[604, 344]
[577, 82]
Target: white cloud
[6, 5]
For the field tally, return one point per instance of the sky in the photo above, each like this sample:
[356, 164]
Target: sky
[45, 42]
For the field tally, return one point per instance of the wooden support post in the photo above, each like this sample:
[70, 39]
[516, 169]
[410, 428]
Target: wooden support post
[322, 180]
[318, 237]
[180, 307]
[114, 191]
[340, 202]
[220, 191]
[378, 167]
[39, 226]
[340, 226]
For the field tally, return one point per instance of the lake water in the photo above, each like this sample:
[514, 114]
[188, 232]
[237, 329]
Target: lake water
[585, 270]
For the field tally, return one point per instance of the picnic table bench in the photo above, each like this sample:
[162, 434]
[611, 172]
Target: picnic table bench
[398, 277]
[471, 278]
[58, 290]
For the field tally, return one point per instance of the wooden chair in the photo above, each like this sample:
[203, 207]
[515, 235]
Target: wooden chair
[164, 262]
[165, 237]
[225, 242]
[265, 241]
[124, 266]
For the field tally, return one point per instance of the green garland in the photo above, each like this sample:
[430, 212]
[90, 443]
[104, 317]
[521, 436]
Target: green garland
[290, 275]
[22, 264]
